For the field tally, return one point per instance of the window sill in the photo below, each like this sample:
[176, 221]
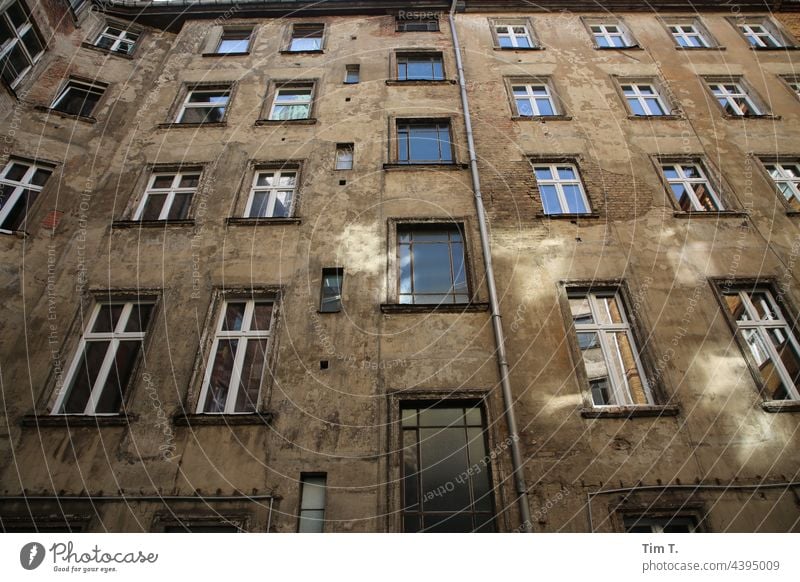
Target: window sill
[51, 111]
[243, 54]
[700, 48]
[309, 52]
[472, 307]
[200, 419]
[708, 213]
[67, 420]
[305, 121]
[793, 213]
[247, 221]
[738, 117]
[518, 48]
[541, 118]
[569, 216]
[781, 405]
[767, 49]
[400, 82]
[177, 125]
[424, 166]
[643, 411]
[101, 50]
[670, 117]
[22, 233]
[633, 47]
[152, 223]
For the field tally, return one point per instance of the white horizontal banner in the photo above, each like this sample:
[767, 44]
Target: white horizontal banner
[391, 557]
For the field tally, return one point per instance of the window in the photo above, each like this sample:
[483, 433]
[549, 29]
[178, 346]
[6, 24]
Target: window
[205, 106]
[688, 36]
[762, 326]
[691, 187]
[20, 185]
[644, 99]
[676, 524]
[168, 195]
[609, 353]
[431, 264]
[513, 36]
[734, 99]
[533, 99]
[272, 194]
[98, 378]
[78, 98]
[306, 37]
[561, 189]
[794, 84]
[352, 74]
[344, 156]
[238, 360]
[416, 23]
[20, 43]
[424, 142]
[234, 41]
[610, 36]
[292, 102]
[117, 40]
[444, 449]
[76, 5]
[761, 34]
[420, 67]
[312, 503]
[331, 294]
[786, 176]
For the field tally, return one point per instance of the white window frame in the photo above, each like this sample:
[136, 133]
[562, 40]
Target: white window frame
[559, 185]
[18, 33]
[20, 186]
[243, 336]
[204, 104]
[173, 189]
[531, 98]
[756, 32]
[272, 191]
[513, 36]
[95, 88]
[115, 337]
[680, 32]
[277, 103]
[643, 97]
[687, 182]
[783, 177]
[761, 327]
[720, 92]
[345, 156]
[619, 386]
[118, 41]
[604, 33]
[354, 70]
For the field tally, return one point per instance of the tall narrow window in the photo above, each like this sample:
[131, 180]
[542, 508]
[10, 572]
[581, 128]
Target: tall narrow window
[770, 339]
[168, 196]
[271, 194]
[533, 99]
[760, 35]
[610, 36]
[513, 36]
[306, 37]
[344, 156]
[238, 360]
[78, 98]
[117, 40]
[234, 41]
[432, 269]
[331, 294]
[561, 189]
[313, 489]
[352, 74]
[446, 481]
[20, 43]
[786, 176]
[204, 106]
[424, 142]
[734, 99]
[292, 102]
[420, 67]
[20, 185]
[644, 99]
[691, 187]
[688, 36]
[608, 350]
[98, 378]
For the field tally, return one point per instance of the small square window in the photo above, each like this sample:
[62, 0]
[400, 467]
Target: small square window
[78, 98]
[424, 142]
[234, 41]
[331, 292]
[690, 187]
[20, 185]
[561, 189]
[117, 39]
[205, 105]
[352, 74]
[313, 490]
[344, 156]
[292, 101]
[306, 37]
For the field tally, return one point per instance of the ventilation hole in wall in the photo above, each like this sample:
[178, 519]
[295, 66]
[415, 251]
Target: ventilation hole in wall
[354, 37]
[283, 139]
[347, 99]
[342, 182]
[323, 364]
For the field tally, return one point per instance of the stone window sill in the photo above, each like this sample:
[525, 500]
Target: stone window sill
[424, 166]
[710, 214]
[793, 213]
[781, 405]
[242, 54]
[399, 82]
[670, 117]
[472, 307]
[569, 216]
[67, 420]
[256, 418]
[541, 117]
[152, 223]
[177, 125]
[247, 221]
[767, 49]
[51, 111]
[101, 50]
[306, 121]
[633, 47]
[22, 233]
[765, 116]
[700, 48]
[642, 411]
[309, 52]
[518, 48]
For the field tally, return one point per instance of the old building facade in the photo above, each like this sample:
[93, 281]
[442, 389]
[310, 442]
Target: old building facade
[260, 258]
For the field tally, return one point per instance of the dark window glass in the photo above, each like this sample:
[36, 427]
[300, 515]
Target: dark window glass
[78, 99]
[331, 295]
[431, 265]
[420, 143]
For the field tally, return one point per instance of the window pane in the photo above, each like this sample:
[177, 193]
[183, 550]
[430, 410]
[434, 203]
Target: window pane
[139, 317]
[550, 199]
[119, 375]
[221, 372]
[787, 353]
[252, 375]
[581, 313]
[410, 471]
[152, 206]
[481, 484]
[262, 316]
[85, 376]
[259, 205]
[574, 198]
[596, 369]
[443, 459]
[283, 202]
[234, 316]
[108, 317]
[331, 299]
[623, 359]
[431, 268]
[609, 310]
[180, 206]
